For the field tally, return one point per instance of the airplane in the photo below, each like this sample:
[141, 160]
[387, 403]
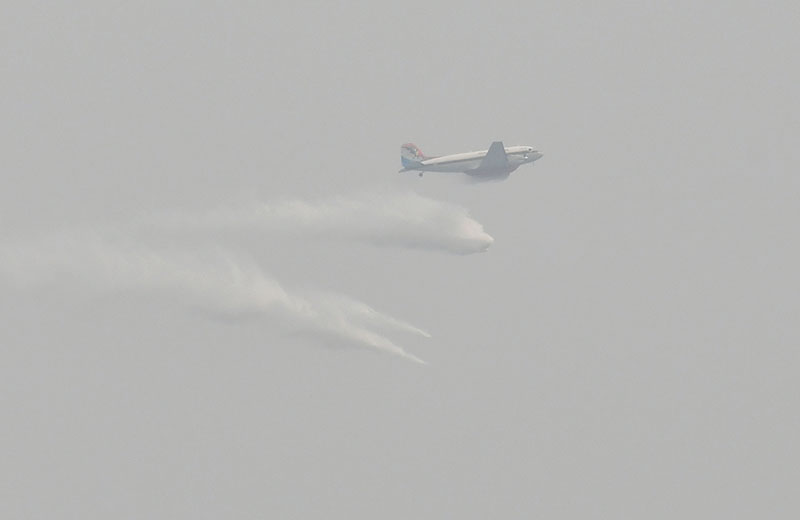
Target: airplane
[495, 163]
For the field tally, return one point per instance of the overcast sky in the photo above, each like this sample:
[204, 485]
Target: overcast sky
[626, 347]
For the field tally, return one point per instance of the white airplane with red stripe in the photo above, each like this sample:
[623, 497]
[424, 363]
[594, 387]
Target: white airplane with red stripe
[495, 163]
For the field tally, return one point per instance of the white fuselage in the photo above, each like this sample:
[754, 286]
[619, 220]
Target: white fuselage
[471, 161]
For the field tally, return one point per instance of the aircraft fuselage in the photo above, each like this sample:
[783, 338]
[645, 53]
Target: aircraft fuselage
[498, 161]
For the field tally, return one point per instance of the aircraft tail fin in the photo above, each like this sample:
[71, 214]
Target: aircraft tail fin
[411, 155]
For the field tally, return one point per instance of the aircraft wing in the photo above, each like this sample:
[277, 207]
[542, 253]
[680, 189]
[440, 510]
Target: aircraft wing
[495, 157]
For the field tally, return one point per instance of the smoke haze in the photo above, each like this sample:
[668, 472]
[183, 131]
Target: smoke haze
[216, 332]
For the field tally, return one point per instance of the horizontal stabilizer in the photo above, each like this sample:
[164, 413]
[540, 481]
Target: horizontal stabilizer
[495, 157]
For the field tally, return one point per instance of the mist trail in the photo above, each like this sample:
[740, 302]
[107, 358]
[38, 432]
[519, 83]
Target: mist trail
[115, 257]
[377, 218]
[370, 315]
[216, 280]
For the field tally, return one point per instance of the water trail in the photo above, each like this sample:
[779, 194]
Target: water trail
[365, 313]
[217, 280]
[384, 219]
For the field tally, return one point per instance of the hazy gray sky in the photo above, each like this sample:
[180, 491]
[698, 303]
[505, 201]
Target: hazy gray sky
[627, 346]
